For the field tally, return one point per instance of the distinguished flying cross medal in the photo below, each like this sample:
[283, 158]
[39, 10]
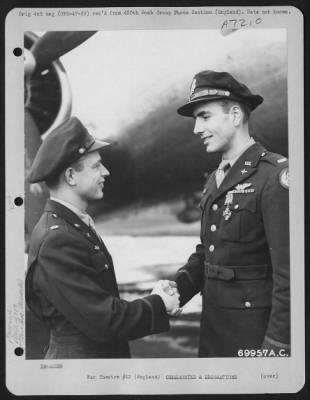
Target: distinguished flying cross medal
[228, 201]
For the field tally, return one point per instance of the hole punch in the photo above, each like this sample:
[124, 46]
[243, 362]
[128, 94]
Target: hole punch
[18, 201]
[17, 52]
[19, 351]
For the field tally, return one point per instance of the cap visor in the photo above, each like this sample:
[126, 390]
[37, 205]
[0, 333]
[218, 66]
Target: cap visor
[187, 109]
[99, 144]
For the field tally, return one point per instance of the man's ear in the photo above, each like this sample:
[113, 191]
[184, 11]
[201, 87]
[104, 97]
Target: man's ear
[236, 114]
[70, 176]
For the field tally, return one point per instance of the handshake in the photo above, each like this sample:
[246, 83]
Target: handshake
[169, 294]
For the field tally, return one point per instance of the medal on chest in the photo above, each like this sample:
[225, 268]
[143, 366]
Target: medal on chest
[228, 202]
[239, 189]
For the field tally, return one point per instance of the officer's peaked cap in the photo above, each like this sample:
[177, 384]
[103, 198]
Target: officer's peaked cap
[212, 85]
[62, 147]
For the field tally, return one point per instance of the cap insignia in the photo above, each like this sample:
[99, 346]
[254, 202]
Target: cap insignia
[192, 87]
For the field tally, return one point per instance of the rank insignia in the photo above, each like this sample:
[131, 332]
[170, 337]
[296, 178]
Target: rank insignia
[282, 160]
[284, 178]
[248, 163]
[54, 227]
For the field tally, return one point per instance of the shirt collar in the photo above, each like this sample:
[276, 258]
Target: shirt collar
[233, 160]
[81, 214]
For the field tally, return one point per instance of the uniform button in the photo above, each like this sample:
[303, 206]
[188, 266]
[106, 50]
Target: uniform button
[106, 266]
[96, 248]
[211, 247]
[236, 206]
[213, 228]
[215, 207]
[248, 304]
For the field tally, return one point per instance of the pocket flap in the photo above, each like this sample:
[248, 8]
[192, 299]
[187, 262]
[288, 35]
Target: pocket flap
[246, 294]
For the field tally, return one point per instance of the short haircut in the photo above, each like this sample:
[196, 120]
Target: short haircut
[53, 181]
[78, 165]
[227, 104]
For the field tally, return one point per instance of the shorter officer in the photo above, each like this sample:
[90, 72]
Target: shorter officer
[241, 266]
[70, 283]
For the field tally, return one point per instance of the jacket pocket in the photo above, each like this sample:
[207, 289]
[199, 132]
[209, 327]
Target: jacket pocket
[104, 270]
[242, 223]
[244, 294]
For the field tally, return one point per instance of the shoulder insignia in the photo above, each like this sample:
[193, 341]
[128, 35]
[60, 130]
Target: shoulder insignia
[54, 227]
[284, 178]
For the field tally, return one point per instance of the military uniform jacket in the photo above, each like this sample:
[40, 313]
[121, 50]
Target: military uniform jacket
[71, 286]
[241, 265]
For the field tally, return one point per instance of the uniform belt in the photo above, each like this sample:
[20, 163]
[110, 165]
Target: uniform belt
[230, 272]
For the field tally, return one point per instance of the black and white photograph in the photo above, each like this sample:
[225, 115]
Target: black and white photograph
[157, 199]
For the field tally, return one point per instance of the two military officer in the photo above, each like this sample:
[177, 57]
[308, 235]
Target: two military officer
[241, 265]
[70, 283]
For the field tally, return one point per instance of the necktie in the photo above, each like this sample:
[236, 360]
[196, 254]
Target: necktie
[221, 172]
[90, 222]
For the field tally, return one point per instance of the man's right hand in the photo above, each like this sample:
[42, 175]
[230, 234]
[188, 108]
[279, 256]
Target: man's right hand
[169, 295]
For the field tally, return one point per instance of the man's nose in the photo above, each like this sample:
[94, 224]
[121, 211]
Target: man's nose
[198, 127]
[104, 171]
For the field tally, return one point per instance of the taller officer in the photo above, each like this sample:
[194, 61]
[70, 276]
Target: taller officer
[241, 266]
[70, 283]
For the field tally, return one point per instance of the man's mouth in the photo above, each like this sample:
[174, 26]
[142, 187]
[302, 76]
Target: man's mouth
[206, 138]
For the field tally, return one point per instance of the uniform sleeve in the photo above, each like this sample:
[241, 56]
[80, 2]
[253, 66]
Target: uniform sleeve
[71, 284]
[190, 277]
[275, 210]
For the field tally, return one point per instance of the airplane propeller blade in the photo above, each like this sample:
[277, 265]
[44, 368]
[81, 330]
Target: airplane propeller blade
[53, 45]
[35, 194]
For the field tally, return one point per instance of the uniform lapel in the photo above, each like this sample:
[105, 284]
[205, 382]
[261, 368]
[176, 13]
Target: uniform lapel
[70, 217]
[210, 188]
[241, 170]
